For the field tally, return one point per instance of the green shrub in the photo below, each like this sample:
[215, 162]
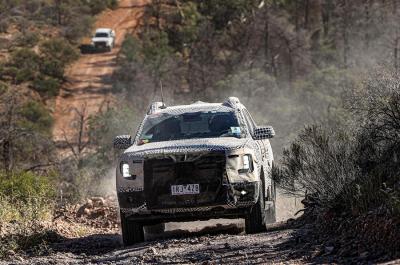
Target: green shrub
[113, 4]
[59, 50]
[35, 117]
[186, 32]
[96, 6]
[156, 51]
[3, 87]
[26, 62]
[2, 71]
[26, 202]
[3, 26]
[79, 28]
[224, 11]
[24, 75]
[8, 71]
[318, 162]
[24, 186]
[47, 86]
[52, 67]
[130, 50]
[29, 39]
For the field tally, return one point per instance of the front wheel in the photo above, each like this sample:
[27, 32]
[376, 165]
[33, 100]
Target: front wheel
[132, 232]
[255, 220]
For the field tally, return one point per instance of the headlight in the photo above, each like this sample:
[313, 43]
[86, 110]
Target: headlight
[125, 170]
[247, 164]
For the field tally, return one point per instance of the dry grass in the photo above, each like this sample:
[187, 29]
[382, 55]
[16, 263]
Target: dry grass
[23, 225]
[26, 206]
[351, 169]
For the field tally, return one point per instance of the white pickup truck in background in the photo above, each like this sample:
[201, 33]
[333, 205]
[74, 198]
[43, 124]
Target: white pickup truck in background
[104, 38]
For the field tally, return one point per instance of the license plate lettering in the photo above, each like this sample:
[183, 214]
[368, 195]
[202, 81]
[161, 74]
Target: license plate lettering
[185, 189]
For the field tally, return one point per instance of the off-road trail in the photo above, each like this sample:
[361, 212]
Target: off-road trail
[220, 241]
[221, 244]
[88, 86]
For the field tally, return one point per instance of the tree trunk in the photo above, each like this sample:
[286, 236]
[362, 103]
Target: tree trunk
[7, 157]
[397, 38]
[315, 24]
[345, 36]
[396, 54]
[59, 12]
[7, 145]
[296, 15]
[158, 13]
[266, 38]
[306, 14]
[367, 23]
[326, 16]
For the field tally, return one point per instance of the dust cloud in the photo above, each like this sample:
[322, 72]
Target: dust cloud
[107, 184]
[287, 206]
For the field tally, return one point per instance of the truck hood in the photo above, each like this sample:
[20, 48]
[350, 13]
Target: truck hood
[101, 39]
[187, 146]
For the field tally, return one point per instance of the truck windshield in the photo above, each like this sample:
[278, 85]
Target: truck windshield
[165, 127]
[101, 35]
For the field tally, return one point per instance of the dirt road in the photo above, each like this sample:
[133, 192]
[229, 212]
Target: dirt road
[202, 247]
[89, 84]
[220, 241]
[222, 244]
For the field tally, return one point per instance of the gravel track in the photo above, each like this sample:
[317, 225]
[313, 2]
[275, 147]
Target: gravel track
[218, 244]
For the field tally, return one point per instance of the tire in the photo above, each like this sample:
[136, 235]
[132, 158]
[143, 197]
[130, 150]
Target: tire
[132, 232]
[255, 220]
[270, 214]
[155, 229]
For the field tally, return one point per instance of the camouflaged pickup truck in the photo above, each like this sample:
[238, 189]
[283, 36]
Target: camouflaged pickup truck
[195, 162]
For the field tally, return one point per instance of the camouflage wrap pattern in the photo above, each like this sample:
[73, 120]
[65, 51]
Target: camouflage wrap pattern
[234, 148]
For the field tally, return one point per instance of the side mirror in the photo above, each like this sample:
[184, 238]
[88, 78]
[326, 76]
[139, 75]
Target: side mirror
[262, 133]
[122, 142]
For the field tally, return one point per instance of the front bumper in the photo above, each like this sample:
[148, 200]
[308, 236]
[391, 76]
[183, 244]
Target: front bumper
[100, 45]
[239, 198]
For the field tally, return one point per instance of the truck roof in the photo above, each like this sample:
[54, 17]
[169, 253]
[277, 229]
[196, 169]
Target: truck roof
[106, 30]
[194, 107]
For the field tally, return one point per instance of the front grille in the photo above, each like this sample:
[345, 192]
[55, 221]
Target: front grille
[206, 170]
[100, 44]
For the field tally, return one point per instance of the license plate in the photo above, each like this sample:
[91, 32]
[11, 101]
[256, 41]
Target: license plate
[185, 189]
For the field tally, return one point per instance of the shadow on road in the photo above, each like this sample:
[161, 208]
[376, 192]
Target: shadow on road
[90, 49]
[201, 243]
[231, 229]
[99, 244]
